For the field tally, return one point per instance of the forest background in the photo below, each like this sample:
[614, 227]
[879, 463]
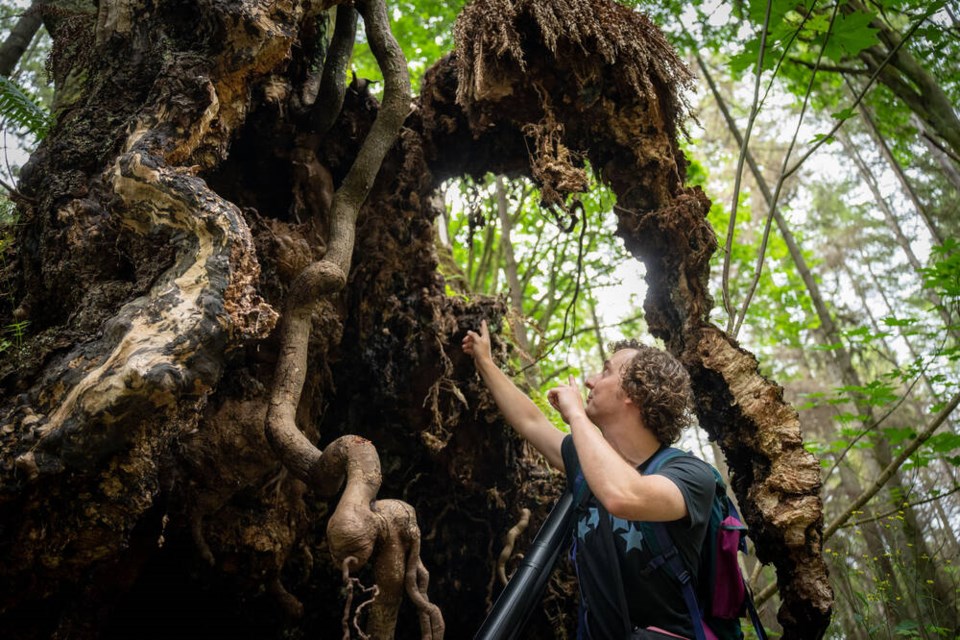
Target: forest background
[835, 180]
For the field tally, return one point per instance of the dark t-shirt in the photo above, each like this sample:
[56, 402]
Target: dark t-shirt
[654, 598]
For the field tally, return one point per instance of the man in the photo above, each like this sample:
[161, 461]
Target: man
[637, 404]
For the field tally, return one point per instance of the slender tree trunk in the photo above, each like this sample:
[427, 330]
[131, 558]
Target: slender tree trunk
[912, 84]
[894, 225]
[19, 40]
[601, 348]
[897, 169]
[949, 533]
[512, 273]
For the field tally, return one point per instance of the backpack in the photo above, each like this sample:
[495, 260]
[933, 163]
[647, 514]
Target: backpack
[723, 597]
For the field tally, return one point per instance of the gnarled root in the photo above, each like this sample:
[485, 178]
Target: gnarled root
[362, 528]
[508, 543]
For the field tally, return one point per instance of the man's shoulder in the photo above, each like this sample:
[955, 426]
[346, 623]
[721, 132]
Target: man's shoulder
[685, 459]
[687, 467]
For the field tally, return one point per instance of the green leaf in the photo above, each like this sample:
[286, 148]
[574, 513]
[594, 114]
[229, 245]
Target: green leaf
[746, 59]
[896, 435]
[19, 109]
[944, 442]
[778, 10]
[891, 321]
[852, 33]
[845, 114]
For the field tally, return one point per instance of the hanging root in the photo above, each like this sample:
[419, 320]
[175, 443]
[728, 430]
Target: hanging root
[361, 529]
[508, 543]
[417, 579]
[361, 526]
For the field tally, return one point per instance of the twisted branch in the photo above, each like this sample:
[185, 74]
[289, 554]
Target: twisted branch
[361, 527]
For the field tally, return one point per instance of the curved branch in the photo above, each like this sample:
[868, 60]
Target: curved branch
[910, 505]
[328, 276]
[383, 133]
[360, 526]
[891, 468]
[333, 85]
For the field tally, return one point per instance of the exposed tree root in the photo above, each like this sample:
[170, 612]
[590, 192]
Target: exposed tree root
[361, 528]
[508, 543]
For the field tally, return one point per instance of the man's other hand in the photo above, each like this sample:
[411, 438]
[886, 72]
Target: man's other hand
[567, 399]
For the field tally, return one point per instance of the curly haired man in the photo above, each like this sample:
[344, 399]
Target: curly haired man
[637, 404]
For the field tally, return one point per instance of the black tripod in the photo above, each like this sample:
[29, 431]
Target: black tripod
[512, 608]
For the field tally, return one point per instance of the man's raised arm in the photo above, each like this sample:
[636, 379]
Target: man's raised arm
[518, 410]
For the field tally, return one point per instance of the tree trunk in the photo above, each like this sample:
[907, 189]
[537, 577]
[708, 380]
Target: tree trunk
[894, 225]
[871, 127]
[19, 39]
[167, 434]
[911, 83]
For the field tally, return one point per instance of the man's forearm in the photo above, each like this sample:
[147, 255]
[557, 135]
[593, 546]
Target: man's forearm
[521, 413]
[516, 407]
[618, 486]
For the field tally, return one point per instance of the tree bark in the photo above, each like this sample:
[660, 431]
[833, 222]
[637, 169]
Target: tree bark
[171, 211]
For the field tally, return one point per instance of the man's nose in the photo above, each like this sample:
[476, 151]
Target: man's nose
[589, 382]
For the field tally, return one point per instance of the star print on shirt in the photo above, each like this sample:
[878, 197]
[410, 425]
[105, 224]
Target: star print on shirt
[588, 523]
[629, 532]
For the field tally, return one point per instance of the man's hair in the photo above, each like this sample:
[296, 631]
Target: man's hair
[659, 385]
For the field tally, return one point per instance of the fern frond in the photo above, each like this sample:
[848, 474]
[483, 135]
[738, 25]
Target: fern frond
[19, 109]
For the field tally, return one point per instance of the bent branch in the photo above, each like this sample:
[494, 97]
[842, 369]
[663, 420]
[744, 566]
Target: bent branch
[361, 528]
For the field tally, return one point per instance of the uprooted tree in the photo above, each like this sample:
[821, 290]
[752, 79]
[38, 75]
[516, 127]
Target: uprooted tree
[227, 259]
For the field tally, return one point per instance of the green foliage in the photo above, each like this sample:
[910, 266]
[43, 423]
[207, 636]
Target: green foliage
[18, 109]
[561, 275]
[424, 31]
[943, 275]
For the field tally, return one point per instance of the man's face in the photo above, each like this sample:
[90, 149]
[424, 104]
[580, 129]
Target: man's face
[607, 397]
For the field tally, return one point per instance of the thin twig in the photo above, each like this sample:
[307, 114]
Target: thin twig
[903, 507]
[862, 93]
[754, 108]
[758, 270]
[939, 145]
[876, 423]
[891, 468]
[832, 68]
[573, 302]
